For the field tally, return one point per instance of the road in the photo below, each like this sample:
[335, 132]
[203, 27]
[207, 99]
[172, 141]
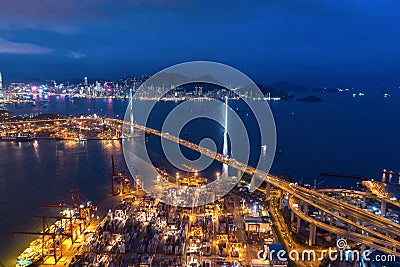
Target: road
[381, 230]
[313, 198]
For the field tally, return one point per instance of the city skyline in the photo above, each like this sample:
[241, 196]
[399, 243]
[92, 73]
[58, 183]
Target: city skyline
[150, 133]
[315, 43]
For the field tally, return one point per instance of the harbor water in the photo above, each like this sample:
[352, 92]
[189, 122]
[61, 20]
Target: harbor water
[343, 134]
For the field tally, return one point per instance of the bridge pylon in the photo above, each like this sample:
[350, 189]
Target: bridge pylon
[131, 119]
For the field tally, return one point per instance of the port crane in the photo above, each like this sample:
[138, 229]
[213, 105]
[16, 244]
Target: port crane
[71, 223]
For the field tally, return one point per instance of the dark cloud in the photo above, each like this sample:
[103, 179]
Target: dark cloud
[8, 47]
[304, 41]
[68, 16]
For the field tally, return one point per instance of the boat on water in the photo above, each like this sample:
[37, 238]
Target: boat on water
[20, 137]
[81, 138]
[7, 138]
[25, 137]
[31, 254]
[59, 137]
[72, 221]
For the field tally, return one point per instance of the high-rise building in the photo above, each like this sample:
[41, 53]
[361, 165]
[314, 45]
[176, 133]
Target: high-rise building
[1, 82]
[85, 81]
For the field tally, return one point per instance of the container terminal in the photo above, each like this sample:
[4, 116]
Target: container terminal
[133, 228]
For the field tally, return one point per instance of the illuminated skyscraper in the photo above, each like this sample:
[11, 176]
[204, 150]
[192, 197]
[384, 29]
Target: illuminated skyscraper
[1, 82]
[85, 81]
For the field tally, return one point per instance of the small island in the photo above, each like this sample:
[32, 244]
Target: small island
[310, 99]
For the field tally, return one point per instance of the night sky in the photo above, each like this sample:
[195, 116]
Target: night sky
[310, 42]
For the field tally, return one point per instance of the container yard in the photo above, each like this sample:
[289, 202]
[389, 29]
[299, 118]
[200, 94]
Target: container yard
[132, 228]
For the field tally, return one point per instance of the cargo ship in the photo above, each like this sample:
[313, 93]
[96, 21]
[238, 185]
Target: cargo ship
[71, 223]
[31, 254]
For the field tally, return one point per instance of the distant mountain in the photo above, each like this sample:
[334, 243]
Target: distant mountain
[208, 78]
[168, 79]
[310, 99]
[267, 90]
[176, 78]
[274, 92]
[205, 87]
[185, 83]
[288, 87]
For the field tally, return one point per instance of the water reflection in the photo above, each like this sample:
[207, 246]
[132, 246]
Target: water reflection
[43, 172]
